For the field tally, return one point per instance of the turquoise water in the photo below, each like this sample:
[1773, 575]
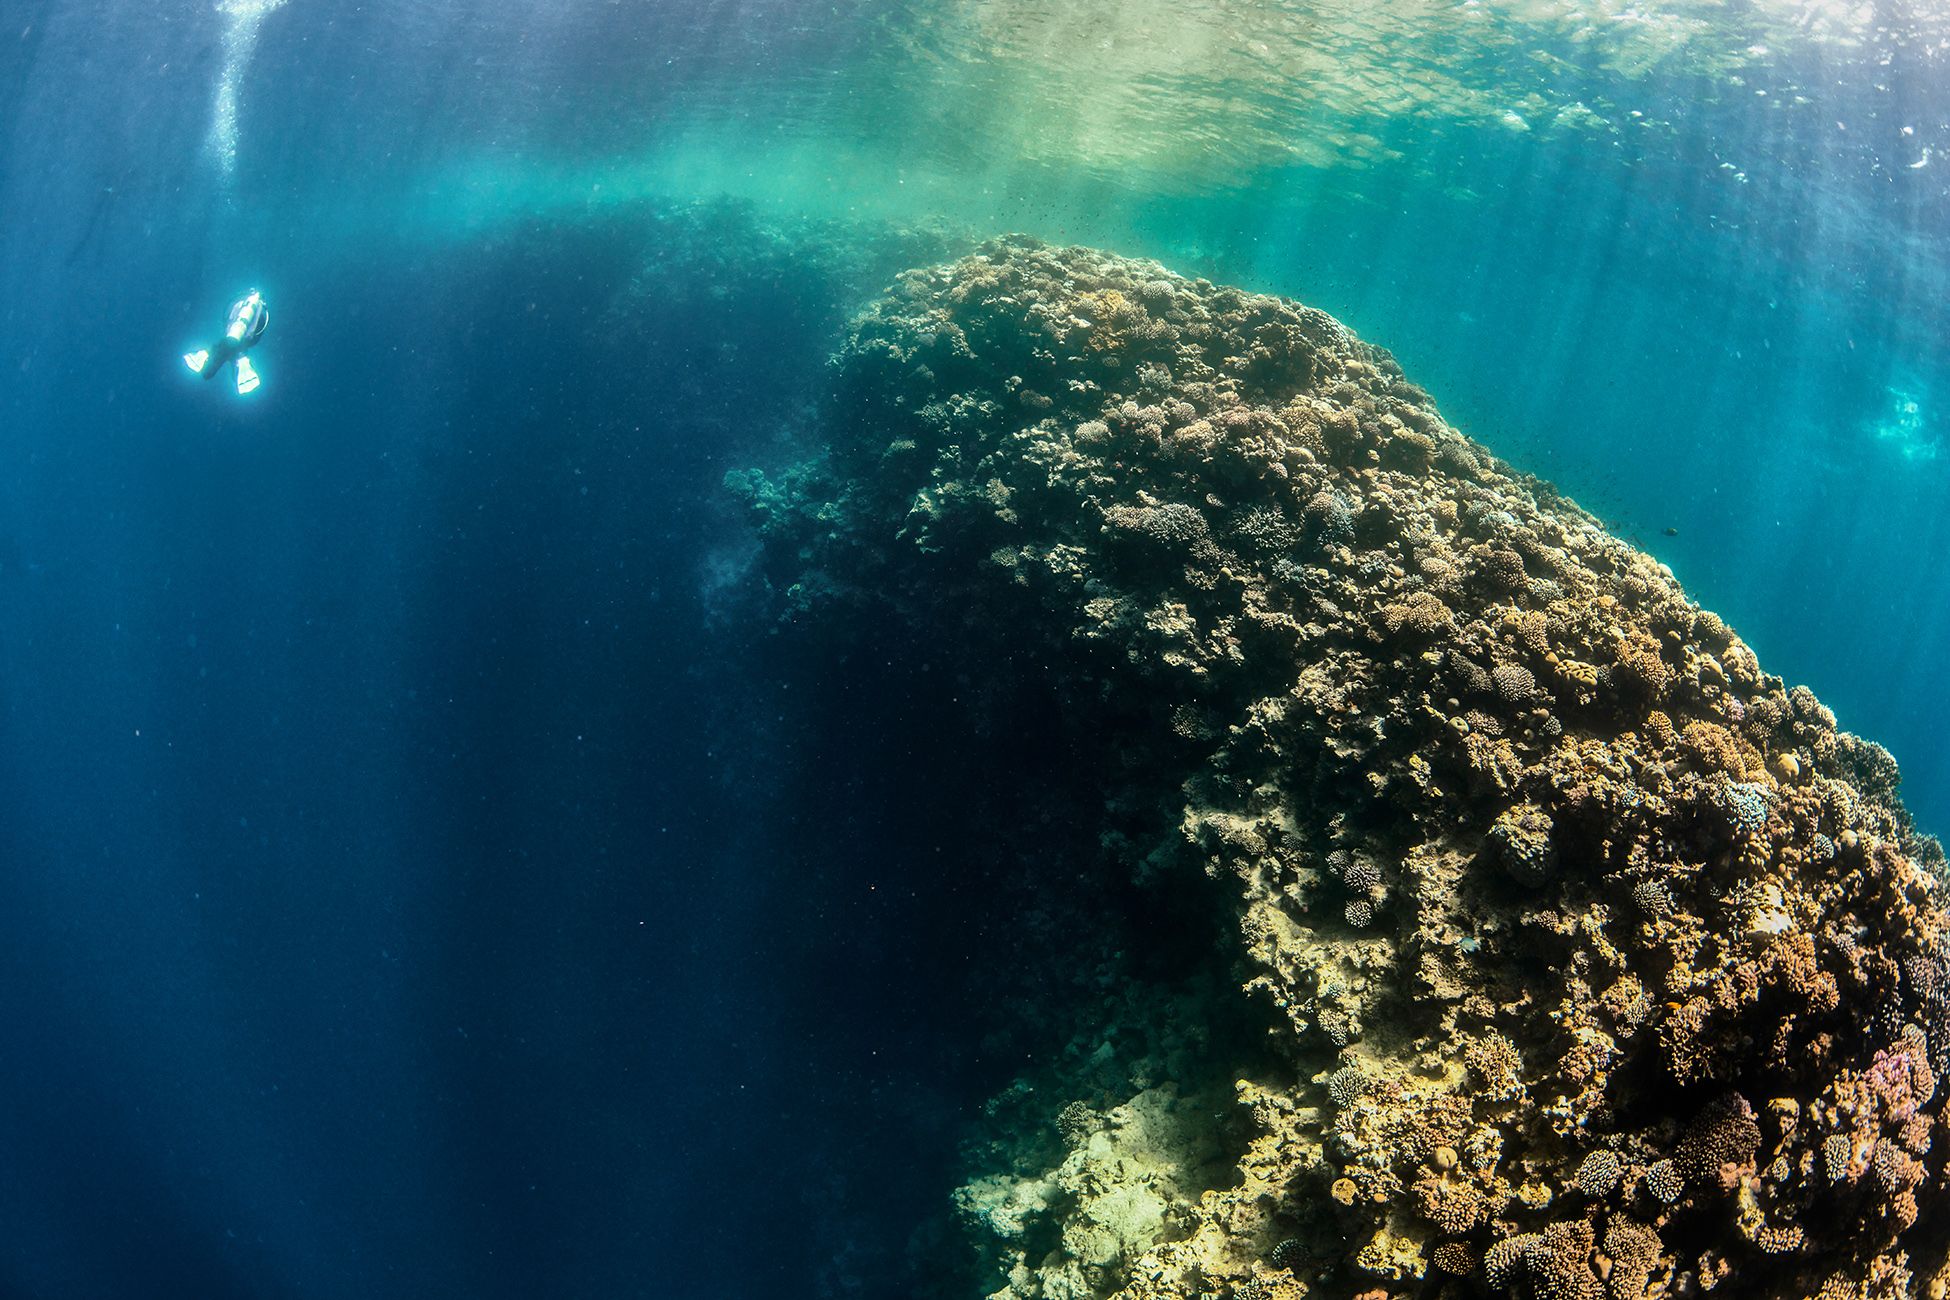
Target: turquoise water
[1684, 260]
[393, 797]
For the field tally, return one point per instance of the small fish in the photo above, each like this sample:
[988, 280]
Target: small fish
[1670, 531]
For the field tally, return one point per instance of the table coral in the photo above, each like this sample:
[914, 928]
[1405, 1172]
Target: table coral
[1654, 998]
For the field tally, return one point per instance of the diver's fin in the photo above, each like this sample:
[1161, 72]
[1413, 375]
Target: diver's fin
[195, 360]
[246, 377]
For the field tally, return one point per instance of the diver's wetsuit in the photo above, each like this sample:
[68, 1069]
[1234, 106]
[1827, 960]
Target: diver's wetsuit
[248, 319]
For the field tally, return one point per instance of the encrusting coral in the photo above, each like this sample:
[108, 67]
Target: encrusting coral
[1601, 964]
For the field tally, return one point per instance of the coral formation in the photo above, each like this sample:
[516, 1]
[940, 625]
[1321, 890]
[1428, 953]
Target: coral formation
[1599, 964]
[1118, 1189]
[1600, 1173]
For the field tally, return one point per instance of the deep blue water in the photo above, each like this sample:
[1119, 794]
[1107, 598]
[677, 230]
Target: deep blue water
[421, 874]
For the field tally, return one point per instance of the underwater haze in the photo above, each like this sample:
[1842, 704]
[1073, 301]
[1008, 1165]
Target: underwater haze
[450, 845]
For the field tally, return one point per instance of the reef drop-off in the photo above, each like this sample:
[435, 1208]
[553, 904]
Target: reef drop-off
[1594, 962]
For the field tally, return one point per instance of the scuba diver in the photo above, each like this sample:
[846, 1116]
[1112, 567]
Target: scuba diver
[249, 317]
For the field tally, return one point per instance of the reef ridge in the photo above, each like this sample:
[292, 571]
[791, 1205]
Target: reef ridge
[1595, 961]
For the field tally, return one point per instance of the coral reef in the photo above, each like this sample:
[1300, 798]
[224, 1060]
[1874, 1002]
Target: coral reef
[1598, 963]
[1121, 1187]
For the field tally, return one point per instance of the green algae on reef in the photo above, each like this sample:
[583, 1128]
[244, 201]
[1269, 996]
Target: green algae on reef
[1600, 963]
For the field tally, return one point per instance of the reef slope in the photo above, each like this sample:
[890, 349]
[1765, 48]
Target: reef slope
[1600, 963]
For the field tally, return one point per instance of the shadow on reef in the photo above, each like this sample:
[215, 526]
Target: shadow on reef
[733, 308]
[1601, 964]
[965, 931]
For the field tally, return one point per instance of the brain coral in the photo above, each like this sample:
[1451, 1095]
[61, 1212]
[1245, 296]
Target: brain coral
[1656, 917]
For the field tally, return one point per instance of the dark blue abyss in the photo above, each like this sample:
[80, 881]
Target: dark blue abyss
[414, 878]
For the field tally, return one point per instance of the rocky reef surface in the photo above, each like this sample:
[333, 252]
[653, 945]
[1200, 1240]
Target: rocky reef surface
[1589, 960]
